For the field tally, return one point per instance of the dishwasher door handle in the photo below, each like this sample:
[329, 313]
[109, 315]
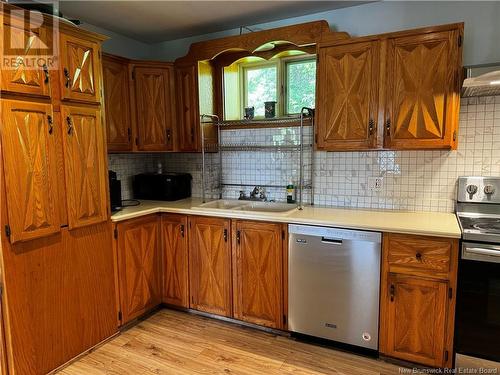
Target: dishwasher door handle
[333, 241]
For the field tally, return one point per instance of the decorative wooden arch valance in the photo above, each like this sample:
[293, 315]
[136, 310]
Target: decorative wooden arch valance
[301, 35]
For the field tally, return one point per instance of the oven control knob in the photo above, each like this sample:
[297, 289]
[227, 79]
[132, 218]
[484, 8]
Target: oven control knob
[489, 189]
[471, 189]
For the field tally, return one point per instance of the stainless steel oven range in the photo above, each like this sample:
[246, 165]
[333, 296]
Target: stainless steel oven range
[477, 331]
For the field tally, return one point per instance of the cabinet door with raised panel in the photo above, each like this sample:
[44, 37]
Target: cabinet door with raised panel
[117, 102]
[187, 107]
[29, 157]
[155, 108]
[210, 265]
[416, 311]
[139, 266]
[175, 260]
[80, 70]
[20, 48]
[347, 98]
[258, 273]
[84, 165]
[423, 90]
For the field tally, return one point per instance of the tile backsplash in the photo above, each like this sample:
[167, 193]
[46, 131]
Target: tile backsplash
[412, 180]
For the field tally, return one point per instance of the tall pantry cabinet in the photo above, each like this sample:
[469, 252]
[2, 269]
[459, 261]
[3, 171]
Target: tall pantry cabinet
[57, 278]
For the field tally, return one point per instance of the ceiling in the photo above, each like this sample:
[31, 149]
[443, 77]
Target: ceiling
[156, 21]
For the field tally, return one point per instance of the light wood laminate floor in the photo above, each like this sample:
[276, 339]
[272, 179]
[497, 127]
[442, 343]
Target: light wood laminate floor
[172, 342]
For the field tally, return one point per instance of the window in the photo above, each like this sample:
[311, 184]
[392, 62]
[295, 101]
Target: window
[300, 85]
[290, 81]
[260, 85]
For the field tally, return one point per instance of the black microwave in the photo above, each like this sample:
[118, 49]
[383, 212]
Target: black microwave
[162, 186]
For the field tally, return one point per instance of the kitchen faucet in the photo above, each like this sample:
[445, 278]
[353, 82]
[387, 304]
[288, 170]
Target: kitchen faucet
[257, 194]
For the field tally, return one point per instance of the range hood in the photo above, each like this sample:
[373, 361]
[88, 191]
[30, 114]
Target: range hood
[481, 80]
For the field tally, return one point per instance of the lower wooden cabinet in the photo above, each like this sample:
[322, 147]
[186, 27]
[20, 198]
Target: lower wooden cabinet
[418, 294]
[175, 260]
[258, 272]
[139, 265]
[210, 265]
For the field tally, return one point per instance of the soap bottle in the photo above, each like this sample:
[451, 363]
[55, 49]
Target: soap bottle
[290, 192]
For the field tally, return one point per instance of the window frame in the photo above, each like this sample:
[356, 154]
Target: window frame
[281, 65]
[255, 65]
[285, 62]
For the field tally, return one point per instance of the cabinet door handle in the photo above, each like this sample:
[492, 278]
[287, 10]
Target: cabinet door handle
[51, 124]
[68, 78]
[192, 135]
[225, 235]
[371, 126]
[69, 122]
[238, 236]
[182, 230]
[168, 135]
[392, 292]
[46, 72]
[418, 256]
[129, 134]
[388, 126]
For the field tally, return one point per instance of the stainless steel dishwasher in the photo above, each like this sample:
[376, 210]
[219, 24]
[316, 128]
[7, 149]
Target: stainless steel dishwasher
[334, 283]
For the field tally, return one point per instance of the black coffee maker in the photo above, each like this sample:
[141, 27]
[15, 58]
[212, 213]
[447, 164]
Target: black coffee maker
[115, 192]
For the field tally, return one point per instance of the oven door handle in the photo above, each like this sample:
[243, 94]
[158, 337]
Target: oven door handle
[491, 254]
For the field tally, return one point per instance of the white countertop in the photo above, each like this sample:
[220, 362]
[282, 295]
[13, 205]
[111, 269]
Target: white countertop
[420, 223]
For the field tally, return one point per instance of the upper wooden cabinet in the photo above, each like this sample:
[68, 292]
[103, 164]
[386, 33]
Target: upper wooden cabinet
[139, 265]
[117, 99]
[80, 69]
[423, 90]
[258, 273]
[347, 99]
[396, 91]
[29, 157]
[417, 303]
[155, 107]
[210, 265]
[25, 45]
[187, 107]
[85, 166]
[174, 233]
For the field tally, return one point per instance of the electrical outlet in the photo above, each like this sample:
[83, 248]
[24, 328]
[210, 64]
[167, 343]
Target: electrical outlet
[375, 183]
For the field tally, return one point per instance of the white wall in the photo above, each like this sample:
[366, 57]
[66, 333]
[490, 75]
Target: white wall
[121, 45]
[482, 25]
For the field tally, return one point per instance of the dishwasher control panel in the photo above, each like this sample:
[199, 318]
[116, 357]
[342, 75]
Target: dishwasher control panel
[335, 233]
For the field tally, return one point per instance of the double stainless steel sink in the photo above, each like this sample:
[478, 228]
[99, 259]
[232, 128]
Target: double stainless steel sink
[248, 206]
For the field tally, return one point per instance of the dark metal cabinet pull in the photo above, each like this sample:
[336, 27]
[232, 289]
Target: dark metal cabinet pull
[168, 135]
[392, 292]
[68, 78]
[238, 236]
[70, 125]
[371, 126]
[129, 134]
[182, 230]
[388, 126]
[46, 72]
[51, 124]
[418, 256]
[225, 235]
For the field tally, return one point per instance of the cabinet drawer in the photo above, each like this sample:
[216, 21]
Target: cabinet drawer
[419, 253]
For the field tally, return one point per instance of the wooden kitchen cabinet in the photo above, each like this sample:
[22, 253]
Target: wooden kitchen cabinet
[396, 91]
[117, 98]
[155, 107]
[347, 99]
[187, 107]
[418, 294]
[210, 265]
[139, 265]
[258, 293]
[174, 233]
[80, 70]
[84, 166]
[17, 77]
[29, 157]
[423, 90]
